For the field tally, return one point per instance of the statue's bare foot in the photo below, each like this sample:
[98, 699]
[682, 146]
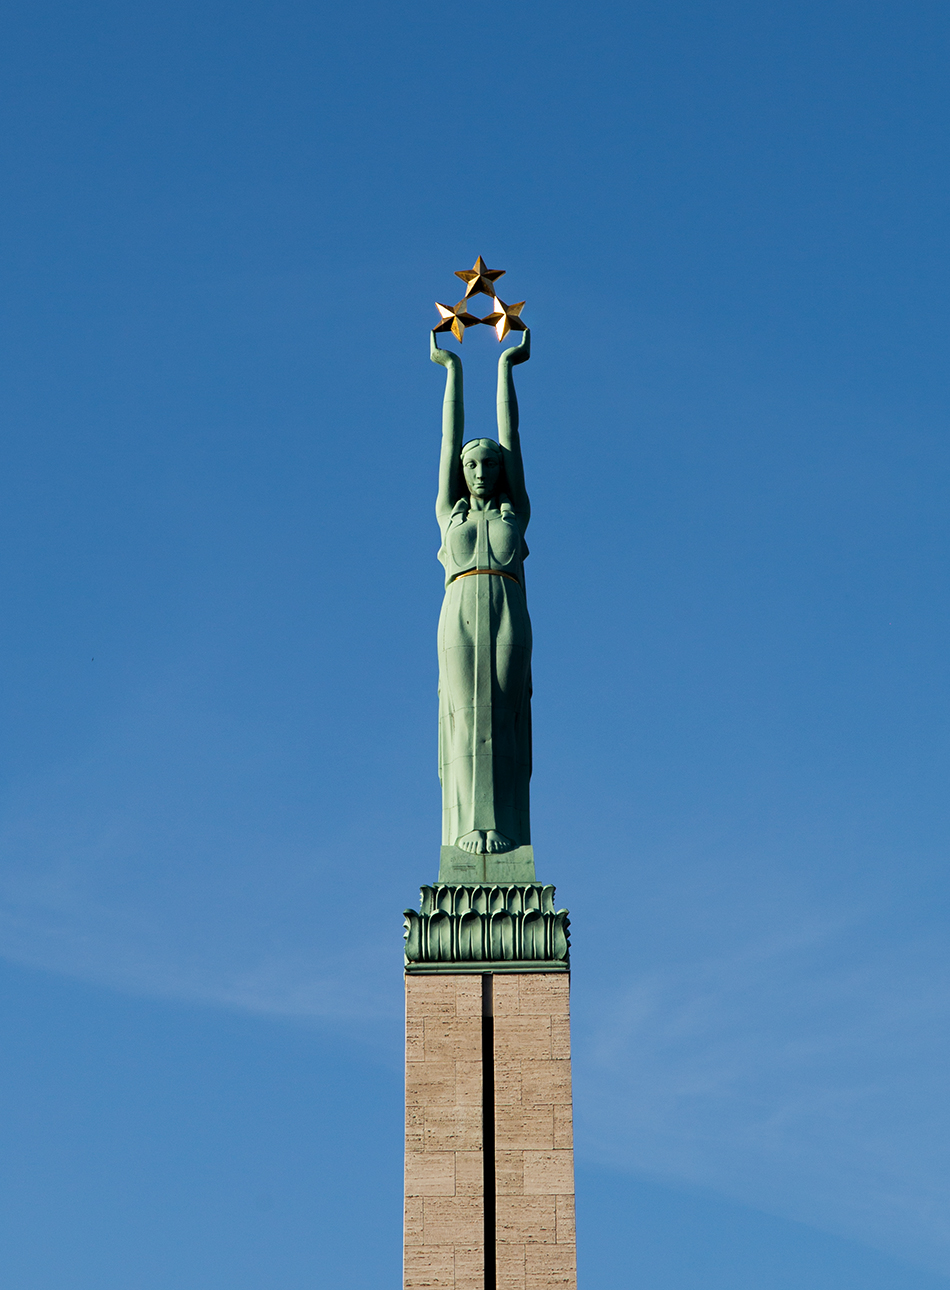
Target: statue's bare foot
[474, 842]
[495, 842]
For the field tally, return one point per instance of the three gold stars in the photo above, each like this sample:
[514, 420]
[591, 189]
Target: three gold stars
[479, 280]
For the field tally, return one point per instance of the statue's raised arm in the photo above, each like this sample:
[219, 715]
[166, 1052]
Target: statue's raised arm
[508, 436]
[453, 428]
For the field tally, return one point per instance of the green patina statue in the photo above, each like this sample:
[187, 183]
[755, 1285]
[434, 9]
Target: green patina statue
[484, 628]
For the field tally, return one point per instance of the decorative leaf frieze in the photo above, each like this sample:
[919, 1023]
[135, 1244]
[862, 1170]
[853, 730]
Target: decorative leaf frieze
[487, 924]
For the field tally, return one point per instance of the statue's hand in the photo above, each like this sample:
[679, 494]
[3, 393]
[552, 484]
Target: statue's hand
[519, 353]
[444, 357]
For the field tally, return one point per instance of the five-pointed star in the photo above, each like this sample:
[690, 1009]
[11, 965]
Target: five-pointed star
[455, 318]
[480, 279]
[507, 320]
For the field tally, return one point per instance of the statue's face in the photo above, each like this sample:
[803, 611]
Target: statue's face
[481, 468]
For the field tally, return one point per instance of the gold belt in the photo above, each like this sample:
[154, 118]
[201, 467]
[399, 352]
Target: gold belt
[498, 573]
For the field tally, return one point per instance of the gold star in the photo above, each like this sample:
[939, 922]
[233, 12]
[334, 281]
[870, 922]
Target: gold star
[508, 320]
[480, 279]
[455, 318]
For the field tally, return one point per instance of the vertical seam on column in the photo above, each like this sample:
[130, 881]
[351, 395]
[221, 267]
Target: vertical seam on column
[488, 1129]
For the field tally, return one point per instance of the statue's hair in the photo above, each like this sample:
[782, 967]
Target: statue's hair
[481, 443]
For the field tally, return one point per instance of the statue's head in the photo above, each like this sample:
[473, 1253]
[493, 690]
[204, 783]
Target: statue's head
[482, 467]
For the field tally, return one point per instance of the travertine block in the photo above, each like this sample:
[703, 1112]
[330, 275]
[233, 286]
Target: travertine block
[523, 1220]
[548, 1172]
[468, 996]
[517, 1129]
[431, 996]
[469, 1173]
[429, 1267]
[565, 1220]
[457, 1037]
[453, 1128]
[456, 1220]
[430, 1083]
[561, 1038]
[412, 1225]
[563, 1127]
[470, 1267]
[415, 1041]
[430, 1173]
[550, 1267]
[525, 1038]
[509, 1173]
[470, 1262]
[507, 1081]
[510, 1267]
[506, 996]
[415, 1125]
[468, 1082]
[546, 1083]
[545, 994]
[469, 1280]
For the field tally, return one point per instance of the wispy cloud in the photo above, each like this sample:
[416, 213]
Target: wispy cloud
[805, 1074]
[142, 867]
[65, 932]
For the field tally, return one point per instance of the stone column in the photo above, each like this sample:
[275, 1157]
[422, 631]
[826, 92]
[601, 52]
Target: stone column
[488, 1104]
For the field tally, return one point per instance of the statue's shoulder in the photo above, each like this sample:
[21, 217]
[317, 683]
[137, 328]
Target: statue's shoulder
[509, 513]
[452, 519]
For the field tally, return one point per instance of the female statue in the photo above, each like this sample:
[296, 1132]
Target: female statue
[484, 629]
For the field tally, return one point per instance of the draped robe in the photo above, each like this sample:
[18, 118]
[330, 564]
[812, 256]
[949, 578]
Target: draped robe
[484, 674]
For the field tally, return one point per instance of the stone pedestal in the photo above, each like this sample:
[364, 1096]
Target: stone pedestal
[489, 1148]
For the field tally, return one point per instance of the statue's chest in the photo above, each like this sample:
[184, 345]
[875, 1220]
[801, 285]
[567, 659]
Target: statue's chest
[485, 536]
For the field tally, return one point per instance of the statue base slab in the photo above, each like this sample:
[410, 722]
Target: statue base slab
[462, 867]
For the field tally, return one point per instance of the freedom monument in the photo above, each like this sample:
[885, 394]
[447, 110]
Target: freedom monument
[489, 1188]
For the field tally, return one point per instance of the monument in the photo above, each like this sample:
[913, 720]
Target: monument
[489, 1186]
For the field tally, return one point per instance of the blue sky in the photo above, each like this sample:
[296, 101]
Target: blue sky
[222, 234]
